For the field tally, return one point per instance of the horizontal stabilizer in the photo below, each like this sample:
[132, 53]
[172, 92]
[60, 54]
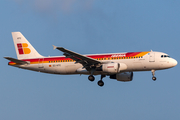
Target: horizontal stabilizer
[54, 47]
[16, 60]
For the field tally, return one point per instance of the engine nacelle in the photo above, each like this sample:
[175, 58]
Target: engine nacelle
[111, 67]
[125, 76]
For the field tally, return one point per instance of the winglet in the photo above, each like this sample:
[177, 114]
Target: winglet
[54, 47]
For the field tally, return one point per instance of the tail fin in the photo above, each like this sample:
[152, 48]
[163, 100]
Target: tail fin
[24, 49]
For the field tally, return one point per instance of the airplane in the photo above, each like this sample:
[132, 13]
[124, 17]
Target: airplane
[119, 66]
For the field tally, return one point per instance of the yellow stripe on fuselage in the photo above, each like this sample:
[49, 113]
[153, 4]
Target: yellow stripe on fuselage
[142, 53]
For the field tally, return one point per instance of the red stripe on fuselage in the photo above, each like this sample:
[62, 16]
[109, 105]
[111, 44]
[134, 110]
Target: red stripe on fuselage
[129, 54]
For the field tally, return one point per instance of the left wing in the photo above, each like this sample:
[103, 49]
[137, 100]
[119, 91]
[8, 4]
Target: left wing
[87, 62]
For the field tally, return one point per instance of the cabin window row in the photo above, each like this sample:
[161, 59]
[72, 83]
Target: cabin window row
[97, 59]
[61, 61]
[119, 58]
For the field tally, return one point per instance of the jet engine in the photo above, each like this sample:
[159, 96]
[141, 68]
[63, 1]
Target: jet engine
[125, 76]
[111, 67]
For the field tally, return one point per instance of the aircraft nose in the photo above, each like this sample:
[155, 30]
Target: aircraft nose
[174, 62]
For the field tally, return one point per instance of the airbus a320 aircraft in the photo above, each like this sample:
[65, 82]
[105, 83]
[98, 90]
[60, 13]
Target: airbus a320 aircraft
[119, 66]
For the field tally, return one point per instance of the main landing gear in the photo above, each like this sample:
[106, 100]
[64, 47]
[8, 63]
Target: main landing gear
[100, 82]
[91, 78]
[153, 73]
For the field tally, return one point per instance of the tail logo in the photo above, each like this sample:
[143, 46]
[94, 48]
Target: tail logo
[23, 48]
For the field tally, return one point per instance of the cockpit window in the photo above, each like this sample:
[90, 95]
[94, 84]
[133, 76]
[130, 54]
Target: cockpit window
[165, 56]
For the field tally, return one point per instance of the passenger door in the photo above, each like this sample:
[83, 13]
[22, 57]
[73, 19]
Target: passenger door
[151, 57]
[40, 64]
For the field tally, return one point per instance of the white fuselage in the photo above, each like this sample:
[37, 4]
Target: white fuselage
[150, 61]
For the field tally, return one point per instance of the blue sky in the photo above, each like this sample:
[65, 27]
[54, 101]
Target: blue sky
[90, 26]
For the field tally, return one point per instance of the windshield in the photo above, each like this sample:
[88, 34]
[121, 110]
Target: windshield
[165, 56]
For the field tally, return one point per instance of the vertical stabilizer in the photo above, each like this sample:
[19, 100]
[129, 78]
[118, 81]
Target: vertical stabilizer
[24, 49]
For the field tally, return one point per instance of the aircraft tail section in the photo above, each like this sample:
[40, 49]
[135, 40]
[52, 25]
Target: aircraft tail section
[24, 49]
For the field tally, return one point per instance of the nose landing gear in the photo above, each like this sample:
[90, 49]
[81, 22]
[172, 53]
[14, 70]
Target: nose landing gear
[153, 73]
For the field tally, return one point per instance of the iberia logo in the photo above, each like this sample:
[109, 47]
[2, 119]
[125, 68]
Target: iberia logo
[23, 48]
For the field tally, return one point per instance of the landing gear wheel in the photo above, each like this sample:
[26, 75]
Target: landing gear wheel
[91, 78]
[100, 83]
[154, 78]
[153, 74]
